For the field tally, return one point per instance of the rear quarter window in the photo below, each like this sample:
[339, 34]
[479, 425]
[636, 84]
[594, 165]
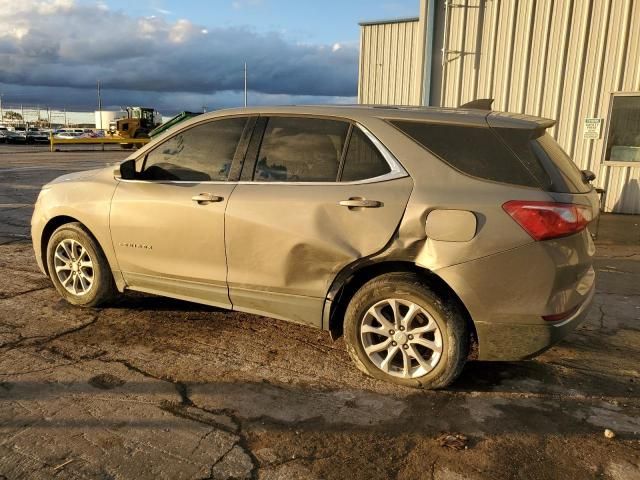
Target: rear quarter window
[476, 151]
[362, 160]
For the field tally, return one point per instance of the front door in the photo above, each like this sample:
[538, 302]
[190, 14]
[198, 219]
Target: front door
[322, 195]
[167, 225]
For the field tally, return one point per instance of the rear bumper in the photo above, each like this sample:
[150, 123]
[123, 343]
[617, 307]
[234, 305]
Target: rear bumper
[508, 294]
[518, 342]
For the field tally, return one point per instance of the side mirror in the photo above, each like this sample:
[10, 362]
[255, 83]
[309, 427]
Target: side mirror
[588, 176]
[128, 170]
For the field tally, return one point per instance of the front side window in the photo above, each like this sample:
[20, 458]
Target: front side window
[300, 150]
[363, 160]
[623, 144]
[202, 153]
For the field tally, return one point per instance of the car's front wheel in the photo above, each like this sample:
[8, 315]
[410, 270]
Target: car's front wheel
[399, 330]
[78, 268]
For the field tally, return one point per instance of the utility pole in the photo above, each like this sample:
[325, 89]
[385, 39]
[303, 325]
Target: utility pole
[245, 84]
[99, 106]
[100, 111]
[1, 113]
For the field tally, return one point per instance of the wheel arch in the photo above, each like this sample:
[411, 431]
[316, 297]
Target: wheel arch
[348, 282]
[52, 225]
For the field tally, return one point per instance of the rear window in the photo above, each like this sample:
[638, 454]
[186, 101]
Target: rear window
[571, 174]
[545, 159]
[476, 151]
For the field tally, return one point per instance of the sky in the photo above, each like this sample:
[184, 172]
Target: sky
[183, 55]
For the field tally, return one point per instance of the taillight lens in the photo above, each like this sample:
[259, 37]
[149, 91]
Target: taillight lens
[545, 220]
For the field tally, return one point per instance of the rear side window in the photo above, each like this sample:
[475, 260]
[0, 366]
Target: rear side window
[476, 151]
[297, 149]
[201, 153]
[363, 160]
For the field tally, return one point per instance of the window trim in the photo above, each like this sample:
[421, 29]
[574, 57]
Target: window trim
[605, 138]
[258, 127]
[396, 170]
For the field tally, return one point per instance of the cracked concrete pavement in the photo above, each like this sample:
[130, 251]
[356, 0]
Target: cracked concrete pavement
[158, 388]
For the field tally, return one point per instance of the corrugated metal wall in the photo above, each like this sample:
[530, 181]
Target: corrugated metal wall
[559, 59]
[390, 63]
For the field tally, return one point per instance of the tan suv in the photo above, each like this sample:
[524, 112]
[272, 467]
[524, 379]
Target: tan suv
[426, 236]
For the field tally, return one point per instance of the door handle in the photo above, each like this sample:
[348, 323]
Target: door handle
[203, 198]
[358, 202]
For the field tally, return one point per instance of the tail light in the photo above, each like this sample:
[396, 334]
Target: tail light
[545, 220]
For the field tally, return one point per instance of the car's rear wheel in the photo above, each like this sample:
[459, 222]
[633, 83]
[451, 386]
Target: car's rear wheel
[399, 330]
[78, 268]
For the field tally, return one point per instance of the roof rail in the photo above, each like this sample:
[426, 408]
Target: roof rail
[480, 104]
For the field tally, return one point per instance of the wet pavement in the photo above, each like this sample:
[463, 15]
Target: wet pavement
[158, 388]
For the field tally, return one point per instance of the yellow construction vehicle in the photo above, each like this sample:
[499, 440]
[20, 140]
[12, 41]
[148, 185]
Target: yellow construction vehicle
[137, 124]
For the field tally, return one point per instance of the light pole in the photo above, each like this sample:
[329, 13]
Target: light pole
[1, 112]
[99, 106]
[100, 112]
[245, 84]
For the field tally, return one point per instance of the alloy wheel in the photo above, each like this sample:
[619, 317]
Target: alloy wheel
[73, 267]
[401, 338]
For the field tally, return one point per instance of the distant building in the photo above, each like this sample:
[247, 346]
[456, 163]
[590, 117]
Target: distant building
[105, 117]
[575, 61]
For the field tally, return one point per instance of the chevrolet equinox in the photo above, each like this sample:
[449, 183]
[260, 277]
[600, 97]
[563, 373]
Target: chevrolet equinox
[425, 236]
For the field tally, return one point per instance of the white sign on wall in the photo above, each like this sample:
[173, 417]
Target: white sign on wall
[592, 128]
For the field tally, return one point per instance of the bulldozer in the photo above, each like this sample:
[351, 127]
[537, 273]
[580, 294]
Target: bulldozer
[137, 124]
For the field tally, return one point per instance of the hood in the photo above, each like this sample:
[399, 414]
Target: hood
[78, 176]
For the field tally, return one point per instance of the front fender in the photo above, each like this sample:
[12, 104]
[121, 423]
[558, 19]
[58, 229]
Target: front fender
[87, 201]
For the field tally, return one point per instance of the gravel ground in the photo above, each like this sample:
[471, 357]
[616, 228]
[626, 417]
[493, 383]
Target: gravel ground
[157, 388]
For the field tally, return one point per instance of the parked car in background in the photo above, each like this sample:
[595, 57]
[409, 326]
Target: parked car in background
[69, 133]
[3, 134]
[35, 135]
[17, 135]
[61, 131]
[425, 236]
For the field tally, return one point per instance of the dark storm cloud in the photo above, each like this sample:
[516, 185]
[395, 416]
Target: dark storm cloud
[85, 99]
[58, 43]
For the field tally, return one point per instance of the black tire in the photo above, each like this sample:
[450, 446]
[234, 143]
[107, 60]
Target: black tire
[102, 289]
[410, 287]
[140, 135]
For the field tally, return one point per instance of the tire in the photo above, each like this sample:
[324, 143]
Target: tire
[93, 285]
[408, 292]
[138, 146]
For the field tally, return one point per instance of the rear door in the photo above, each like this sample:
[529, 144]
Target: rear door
[167, 225]
[317, 195]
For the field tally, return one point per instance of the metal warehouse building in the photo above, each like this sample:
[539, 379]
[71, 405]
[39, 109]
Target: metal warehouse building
[575, 61]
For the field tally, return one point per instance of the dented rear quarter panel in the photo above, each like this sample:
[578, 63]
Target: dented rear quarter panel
[438, 186]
